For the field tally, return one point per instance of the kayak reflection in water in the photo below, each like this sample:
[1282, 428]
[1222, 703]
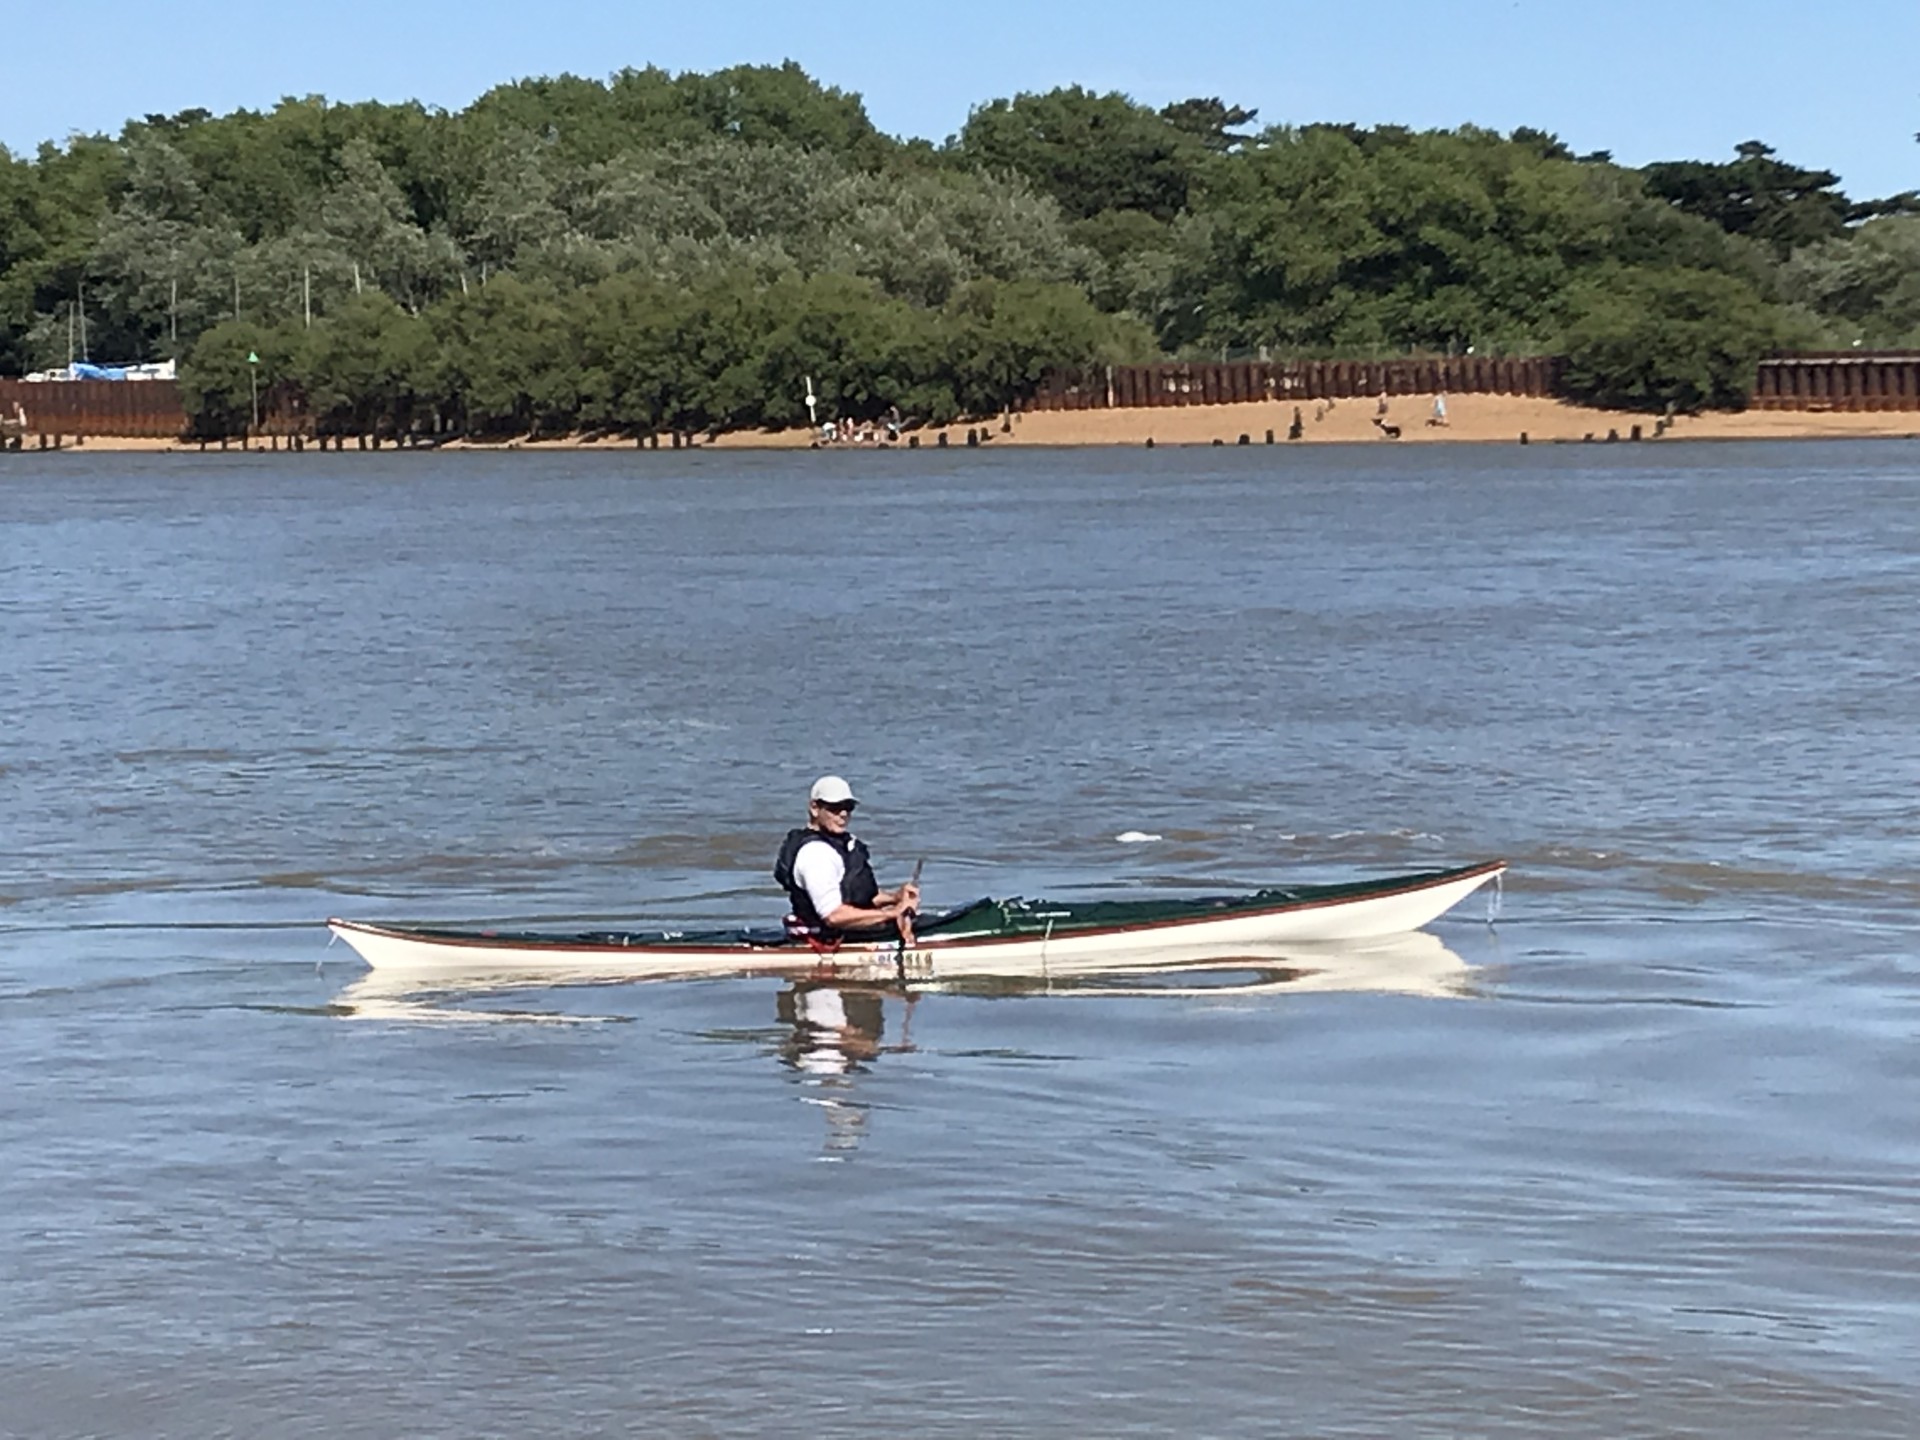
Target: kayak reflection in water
[836, 1034]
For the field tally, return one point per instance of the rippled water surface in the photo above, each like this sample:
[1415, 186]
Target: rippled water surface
[1640, 1158]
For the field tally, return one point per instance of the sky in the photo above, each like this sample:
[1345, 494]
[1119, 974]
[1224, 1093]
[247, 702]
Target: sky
[1834, 88]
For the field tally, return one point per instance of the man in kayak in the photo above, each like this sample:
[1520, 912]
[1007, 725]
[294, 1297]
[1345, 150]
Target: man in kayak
[828, 875]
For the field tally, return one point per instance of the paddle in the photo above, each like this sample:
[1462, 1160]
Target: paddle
[905, 920]
[907, 916]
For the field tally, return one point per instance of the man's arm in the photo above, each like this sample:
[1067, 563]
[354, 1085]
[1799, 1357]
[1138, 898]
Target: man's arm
[820, 872]
[855, 917]
[888, 906]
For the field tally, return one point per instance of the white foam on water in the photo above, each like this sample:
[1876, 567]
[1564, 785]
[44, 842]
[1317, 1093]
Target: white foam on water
[1135, 837]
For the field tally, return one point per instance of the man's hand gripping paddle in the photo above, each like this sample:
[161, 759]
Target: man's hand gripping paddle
[906, 917]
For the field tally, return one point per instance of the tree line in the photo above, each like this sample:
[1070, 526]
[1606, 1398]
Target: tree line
[659, 252]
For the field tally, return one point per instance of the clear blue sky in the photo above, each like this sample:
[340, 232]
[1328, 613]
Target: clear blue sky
[1836, 87]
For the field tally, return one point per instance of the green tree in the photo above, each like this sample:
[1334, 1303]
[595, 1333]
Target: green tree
[1543, 143]
[1757, 195]
[1090, 152]
[718, 332]
[867, 352]
[1280, 230]
[590, 123]
[1644, 339]
[629, 364]
[923, 236]
[510, 352]
[1866, 288]
[219, 382]
[66, 193]
[1002, 339]
[680, 359]
[1214, 124]
[369, 368]
[514, 208]
[569, 113]
[764, 104]
[164, 259]
[1333, 238]
[20, 246]
[367, 218]
[265, 170]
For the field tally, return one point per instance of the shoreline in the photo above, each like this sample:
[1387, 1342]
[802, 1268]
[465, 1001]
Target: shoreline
[1474, 419]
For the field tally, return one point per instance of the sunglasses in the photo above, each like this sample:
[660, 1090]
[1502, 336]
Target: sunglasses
[838, 807]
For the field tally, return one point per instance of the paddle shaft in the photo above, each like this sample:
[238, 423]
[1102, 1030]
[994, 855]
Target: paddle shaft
[906, 916]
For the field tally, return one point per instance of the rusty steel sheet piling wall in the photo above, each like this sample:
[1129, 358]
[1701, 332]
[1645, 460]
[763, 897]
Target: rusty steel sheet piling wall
[134, 409]
[1814, 381]
[1232, 382]
[1839, 380]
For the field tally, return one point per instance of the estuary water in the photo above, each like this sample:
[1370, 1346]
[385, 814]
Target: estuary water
[1639, 1157]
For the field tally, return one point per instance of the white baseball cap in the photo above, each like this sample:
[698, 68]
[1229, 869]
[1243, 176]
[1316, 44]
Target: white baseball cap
[830, 790]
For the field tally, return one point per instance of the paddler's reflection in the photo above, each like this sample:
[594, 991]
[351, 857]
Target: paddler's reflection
[837, 1029]
[836, 1033]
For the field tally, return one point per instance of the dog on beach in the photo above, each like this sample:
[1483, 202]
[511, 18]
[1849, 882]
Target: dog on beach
[1392, 432]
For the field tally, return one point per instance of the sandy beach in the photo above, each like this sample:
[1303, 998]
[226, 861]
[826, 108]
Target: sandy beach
[1479, 418]
[1469, 418]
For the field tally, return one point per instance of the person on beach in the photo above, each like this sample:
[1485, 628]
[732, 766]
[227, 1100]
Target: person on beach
[828, 874]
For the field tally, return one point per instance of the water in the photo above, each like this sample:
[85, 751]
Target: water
[1647, 1166]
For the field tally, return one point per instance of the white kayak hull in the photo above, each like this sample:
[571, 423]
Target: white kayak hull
[1417, 964]
[1388, 909]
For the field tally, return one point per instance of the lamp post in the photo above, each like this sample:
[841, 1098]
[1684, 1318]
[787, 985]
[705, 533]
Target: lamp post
[253, 385]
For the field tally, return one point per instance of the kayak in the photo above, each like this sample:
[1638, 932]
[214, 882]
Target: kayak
[1010, 938]
[1417, 963]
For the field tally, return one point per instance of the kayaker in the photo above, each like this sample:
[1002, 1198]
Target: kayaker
[828, 875]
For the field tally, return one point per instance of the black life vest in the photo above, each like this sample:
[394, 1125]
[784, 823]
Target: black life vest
[857, 886]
